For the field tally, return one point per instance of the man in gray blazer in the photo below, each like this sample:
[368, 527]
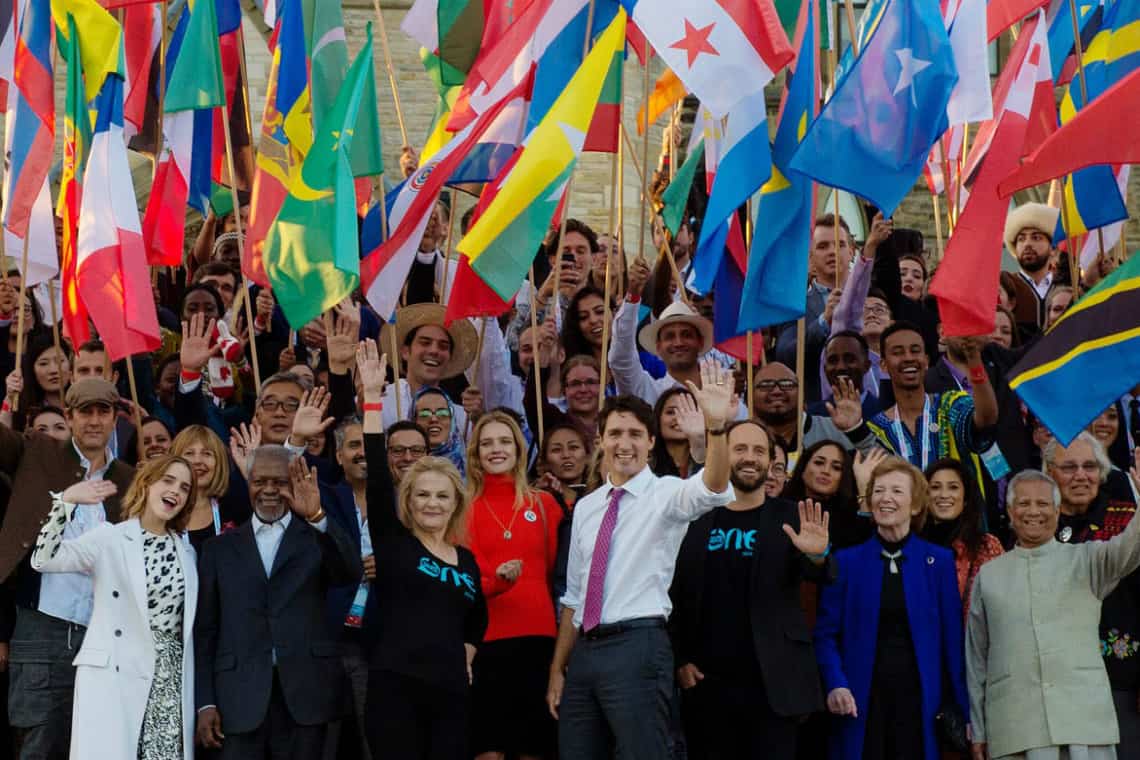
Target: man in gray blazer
[1038, 687]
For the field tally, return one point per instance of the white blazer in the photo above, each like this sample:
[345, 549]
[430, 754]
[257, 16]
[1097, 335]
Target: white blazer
[115, 665]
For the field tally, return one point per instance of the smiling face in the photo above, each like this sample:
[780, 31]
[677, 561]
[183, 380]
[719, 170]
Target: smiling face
[1106, 426]
[581, 389]
[748, 458]
[626, 444]
[876, 318]
[1032, 515]
[592, 318]
[566, 456]
[350, 455]
[431, 502]
[823, 472]
[427, 354]
[405, 448]
[1059, 303]
[270, 488]
[775, 394]
[203, 462]
[669, 423]
[155, 440]
[891, 502]
[168, 496]
[1077, 473]
[679, 344]
[200, 302]
[576, 244]
[904, 357]
[845, 358]
[913, 278]
[1003, 330]
[51, 424]
[433, 414]
[777, 472]
[497, 451]
[947, 495]
[275, 411]
[53, 371]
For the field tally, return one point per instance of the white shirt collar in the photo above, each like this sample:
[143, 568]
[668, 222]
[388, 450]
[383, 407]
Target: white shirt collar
[636, 485]
[258, 524]
[108, 455]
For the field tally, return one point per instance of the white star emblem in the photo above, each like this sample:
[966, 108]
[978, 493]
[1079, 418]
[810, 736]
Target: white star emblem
[908, 67]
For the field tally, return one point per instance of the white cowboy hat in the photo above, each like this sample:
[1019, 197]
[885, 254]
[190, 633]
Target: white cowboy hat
[676, 312]
[463, 337]
[1035, 216]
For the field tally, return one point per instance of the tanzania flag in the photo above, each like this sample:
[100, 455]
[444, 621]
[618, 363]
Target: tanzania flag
[312, 251]
[501, 245]
[1095, 346]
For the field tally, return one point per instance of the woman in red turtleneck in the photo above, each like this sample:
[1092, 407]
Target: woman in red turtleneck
[513, 532]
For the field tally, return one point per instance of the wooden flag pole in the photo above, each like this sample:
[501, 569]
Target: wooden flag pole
[20, 314]
[632, 155]
[536, 351]
[54, 318]
[749, 369]
[449, 245]
[937, 224]
[617, 198]
[645, 160]
[391, 72]
[475, 364]
[134, 396]
[243, 287]
[394, 360]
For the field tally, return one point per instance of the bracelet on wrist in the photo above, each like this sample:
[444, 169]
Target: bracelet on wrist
[316, 518]
[189, 375]
[716, 431]
[372, 406]
[821, 556]
[978, 375]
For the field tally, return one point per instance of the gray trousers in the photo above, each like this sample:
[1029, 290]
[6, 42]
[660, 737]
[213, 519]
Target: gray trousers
[617, 697]
[356, 671]
[41, 684]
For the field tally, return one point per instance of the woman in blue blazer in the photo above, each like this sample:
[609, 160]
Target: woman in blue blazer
[888, 638]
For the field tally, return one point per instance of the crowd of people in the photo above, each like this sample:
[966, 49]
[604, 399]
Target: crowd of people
[578, 530]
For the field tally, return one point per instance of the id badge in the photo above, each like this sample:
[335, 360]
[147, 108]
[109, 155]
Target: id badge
[355, 617]
[995, 462]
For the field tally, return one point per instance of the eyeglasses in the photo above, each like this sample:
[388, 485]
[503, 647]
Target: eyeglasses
[770, 385]
[271, 405]
[878, 311]
[399, 451]
[777, 469]
[574, 385]
[427, 414]
[1068, 469]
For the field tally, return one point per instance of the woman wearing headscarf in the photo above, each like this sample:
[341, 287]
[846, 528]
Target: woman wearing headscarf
[433, 411]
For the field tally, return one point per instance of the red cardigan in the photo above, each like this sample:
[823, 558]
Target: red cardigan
[525, 607]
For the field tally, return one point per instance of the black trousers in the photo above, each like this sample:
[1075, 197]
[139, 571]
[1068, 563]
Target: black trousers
[42, 683]
[278, 737]
[617, 697]
[733, 721]
[407, 719]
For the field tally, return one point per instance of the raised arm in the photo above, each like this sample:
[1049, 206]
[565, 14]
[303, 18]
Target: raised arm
[54, 555]
[1110, 561]
[985, 402]
[383, 520]
[629, 376]
[708, 489]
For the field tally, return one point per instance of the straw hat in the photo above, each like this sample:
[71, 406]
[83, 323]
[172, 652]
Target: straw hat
[409, 318]
[676, 312]
[1035, 216]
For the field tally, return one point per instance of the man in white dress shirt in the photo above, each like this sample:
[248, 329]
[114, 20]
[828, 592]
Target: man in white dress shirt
[611, 679]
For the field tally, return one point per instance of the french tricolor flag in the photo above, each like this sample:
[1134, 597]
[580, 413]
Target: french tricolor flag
[111, 263]
[723, 50]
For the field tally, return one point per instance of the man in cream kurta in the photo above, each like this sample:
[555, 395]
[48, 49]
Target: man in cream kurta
[1038, 687]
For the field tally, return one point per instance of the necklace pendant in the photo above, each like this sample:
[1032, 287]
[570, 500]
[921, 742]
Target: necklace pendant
[507, 535]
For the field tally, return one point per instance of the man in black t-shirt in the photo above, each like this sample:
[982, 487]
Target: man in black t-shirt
[742, 645]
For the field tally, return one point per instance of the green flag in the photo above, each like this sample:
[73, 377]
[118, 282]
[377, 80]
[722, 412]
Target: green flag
[328, 52]
[366, 158]
[676, 196]
[196, 80]
[312, 250]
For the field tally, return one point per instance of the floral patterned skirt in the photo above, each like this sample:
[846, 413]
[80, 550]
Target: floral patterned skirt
[161, 736]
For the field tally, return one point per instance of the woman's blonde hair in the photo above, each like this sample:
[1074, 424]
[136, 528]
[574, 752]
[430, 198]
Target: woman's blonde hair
[475, 474]
[202, 435]
[149, 473]
[455, 524]
[919, 489]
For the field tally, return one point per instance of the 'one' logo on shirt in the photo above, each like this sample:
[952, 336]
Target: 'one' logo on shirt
[733, 540]
[445, 574]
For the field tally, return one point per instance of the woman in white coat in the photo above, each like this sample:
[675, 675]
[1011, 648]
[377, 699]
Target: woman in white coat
[134, 683]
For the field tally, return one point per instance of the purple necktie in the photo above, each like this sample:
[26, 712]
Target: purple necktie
[596, 584]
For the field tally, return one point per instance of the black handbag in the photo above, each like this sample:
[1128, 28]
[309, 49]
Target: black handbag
[950, 727]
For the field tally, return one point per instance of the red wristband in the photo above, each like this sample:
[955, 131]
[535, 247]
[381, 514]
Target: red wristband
[6, 406]
[631, 298]
[189, 375]
[978, 375]
[373, 407]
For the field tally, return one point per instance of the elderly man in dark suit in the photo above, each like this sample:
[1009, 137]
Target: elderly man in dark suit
[269, 677]
[51, 613]
[746, 660]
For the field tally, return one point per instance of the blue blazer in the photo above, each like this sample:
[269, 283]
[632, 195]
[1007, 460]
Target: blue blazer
[846, 633]
[342, 509]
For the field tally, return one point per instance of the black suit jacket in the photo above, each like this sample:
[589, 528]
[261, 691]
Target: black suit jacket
[782, 643]
[244, 617]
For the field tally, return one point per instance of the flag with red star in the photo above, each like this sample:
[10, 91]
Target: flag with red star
[723, 50]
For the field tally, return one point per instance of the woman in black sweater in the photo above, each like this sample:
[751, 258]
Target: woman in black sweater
[432, 613]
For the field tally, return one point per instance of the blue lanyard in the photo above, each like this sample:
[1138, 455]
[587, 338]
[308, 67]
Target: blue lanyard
[921, 435]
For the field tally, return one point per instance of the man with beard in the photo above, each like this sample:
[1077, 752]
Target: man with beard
[1029, 237]
[775, 394]
[749, 672]
[923, 427]
[268, 675]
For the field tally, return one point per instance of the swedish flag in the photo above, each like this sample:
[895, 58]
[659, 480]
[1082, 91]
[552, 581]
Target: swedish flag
[1094, 347]
[1092, 198]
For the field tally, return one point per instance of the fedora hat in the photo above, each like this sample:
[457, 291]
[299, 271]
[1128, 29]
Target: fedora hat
[410, 318]
[1035, 216]
[677, 311]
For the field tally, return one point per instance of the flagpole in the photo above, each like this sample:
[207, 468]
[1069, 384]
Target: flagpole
[160, 138]
[20, 313]
[243, 286]
[391, 72]
[834, 60]
[535, 367]
[617, 193]
[395, 361]
[937, 223]
[645, 159]
[54, 317]
[632, 157]
[448, 245]
[749, 368]
[134, 395]
[475, 364]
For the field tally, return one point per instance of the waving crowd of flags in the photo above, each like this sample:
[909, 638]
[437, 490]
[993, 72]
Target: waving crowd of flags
[524, 89]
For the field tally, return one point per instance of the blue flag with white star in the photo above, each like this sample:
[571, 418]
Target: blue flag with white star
[872, 138]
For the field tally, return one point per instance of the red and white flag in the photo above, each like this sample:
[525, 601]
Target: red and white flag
[111, 263]
[164, 224]
[723, 50]
[970, 100]
[142, 35]
[966, 284]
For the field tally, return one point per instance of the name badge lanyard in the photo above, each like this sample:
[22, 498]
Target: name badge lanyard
[922, 436]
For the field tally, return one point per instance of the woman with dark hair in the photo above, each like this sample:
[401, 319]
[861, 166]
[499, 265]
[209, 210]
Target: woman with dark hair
[564, 462]
[47, 370]
[583, 329]
[608, 248]
[50, 421]
[826, 473]
[217, 506]
[679, 448]
[155, 441]
[33, 326]
[955, 521]
[433, 411]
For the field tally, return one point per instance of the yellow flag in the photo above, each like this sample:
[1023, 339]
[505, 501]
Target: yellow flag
[99, 40]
